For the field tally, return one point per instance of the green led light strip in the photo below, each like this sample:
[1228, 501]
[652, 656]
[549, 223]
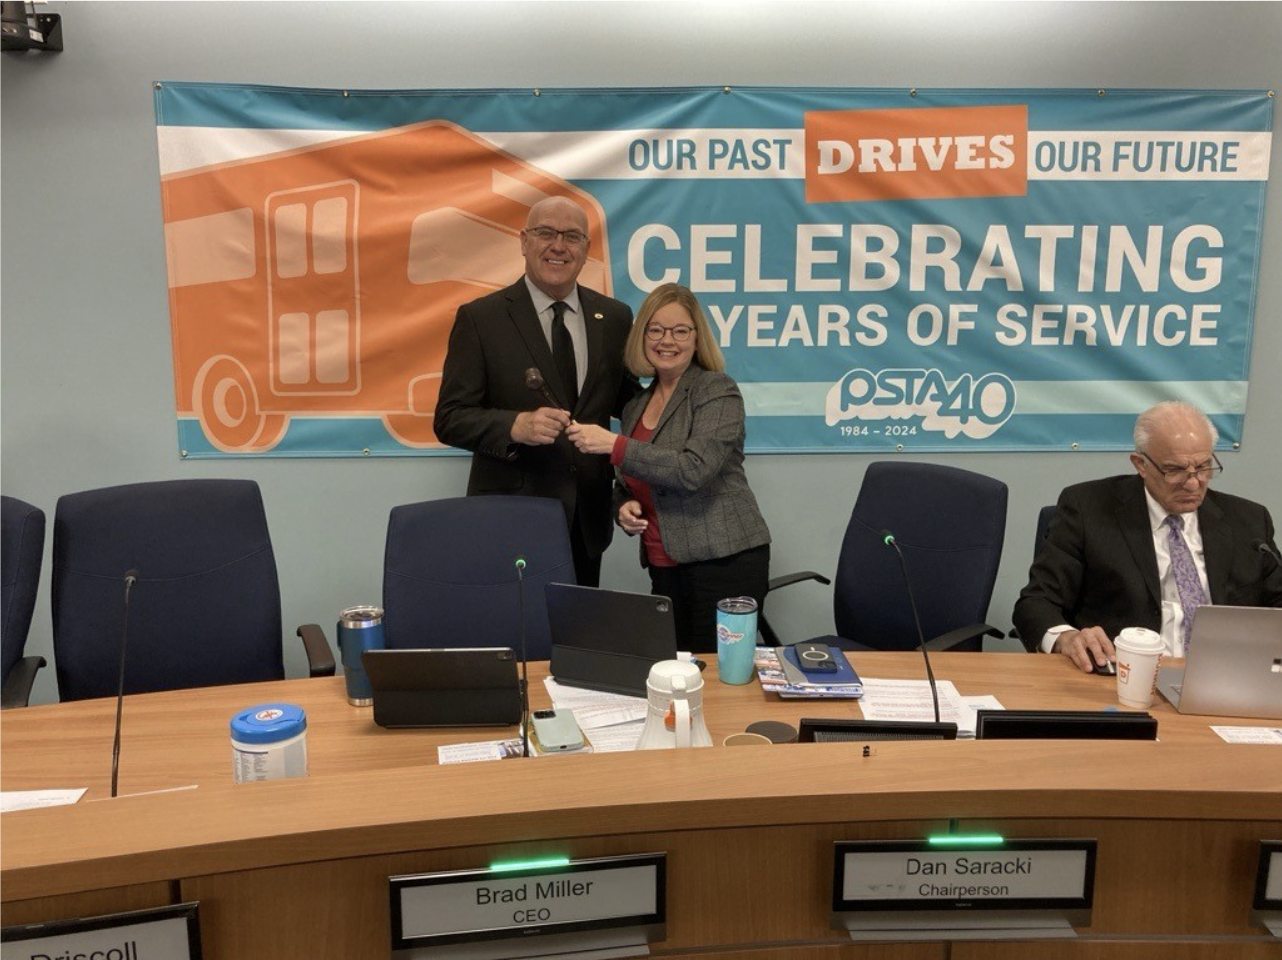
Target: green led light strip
[974, 839]
[529, 864]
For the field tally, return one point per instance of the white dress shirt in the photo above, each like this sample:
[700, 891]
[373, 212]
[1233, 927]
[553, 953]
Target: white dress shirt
[574, 323]
[1172, 613]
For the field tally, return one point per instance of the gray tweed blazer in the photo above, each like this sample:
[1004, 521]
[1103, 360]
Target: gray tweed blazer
[694, 467]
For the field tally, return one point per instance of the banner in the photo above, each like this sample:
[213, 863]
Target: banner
[884, 269]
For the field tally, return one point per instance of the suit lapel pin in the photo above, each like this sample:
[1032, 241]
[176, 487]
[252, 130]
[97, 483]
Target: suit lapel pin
[598, 316]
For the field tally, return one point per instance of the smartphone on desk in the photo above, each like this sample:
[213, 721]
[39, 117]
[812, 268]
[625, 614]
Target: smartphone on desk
[557, 730]
[815, 658]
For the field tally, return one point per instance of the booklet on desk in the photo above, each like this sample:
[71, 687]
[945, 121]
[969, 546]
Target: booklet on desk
[779, 673]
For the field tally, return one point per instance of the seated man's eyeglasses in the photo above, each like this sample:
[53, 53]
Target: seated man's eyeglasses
[574, 238]
[1180, 475]
[679, 334]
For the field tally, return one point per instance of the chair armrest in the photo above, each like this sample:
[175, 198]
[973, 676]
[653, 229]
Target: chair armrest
[17, 686]
[320, 659]
[789, 579]
[952, 638]
[764, 629]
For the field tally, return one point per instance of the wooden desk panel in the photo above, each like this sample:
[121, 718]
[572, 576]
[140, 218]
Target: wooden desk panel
[376, 803]
[1233, 949]
[177, 739]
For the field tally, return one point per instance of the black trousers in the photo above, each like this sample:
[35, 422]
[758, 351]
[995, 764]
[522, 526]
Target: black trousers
[587, 569]
[695, 588]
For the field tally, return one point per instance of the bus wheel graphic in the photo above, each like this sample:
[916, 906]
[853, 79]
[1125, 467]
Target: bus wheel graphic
[226, 403]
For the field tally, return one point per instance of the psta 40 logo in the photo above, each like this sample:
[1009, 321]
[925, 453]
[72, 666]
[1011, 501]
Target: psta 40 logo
[975, 407]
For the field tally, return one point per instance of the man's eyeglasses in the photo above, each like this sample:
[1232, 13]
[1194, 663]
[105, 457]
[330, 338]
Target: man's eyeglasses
[1178, 476]
[679, 334]
[575, 238]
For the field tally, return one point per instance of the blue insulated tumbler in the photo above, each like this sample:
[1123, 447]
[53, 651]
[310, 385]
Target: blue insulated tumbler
[736, 639]
[359, 629]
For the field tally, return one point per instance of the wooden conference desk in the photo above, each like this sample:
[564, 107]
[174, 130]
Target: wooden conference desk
[298, 868]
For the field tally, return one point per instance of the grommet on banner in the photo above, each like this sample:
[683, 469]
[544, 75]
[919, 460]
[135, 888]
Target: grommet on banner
[538, 92]
[161, 87]
[1237, 446]
[346, 94]
[912, 92]
[899, 447]
[182, 453]
[1074, 446]
[365, 452]
[725, 89]
[1100, 93]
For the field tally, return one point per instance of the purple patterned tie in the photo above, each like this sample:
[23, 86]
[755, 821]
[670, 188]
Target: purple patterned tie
[1186, 579]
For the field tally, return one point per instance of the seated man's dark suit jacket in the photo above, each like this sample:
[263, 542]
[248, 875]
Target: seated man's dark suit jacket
[1098, 566]
[494, 341]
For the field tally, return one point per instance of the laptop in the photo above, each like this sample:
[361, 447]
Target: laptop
[608, 639]
[444, 687]
[1234, 666]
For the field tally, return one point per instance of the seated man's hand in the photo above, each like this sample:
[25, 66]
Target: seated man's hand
[539, 427]
[630, 518]
[1087, 648]
[590, 438]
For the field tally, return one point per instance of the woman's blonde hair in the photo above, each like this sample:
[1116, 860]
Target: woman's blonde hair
[706, 352]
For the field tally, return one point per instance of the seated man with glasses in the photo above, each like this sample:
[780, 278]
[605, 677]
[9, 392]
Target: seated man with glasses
[1145, 550]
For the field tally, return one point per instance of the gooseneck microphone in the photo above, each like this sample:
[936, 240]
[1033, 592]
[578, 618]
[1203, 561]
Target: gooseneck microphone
[1266, 548]
[888, 539]
[534, 380]
[525, 680]
[131, 577]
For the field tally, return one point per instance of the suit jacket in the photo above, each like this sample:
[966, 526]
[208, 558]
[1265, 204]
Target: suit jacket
[494, 341]
[1098, 566]
[694, 467]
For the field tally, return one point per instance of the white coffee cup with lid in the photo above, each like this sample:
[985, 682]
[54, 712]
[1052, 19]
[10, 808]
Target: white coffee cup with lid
[1139, 653]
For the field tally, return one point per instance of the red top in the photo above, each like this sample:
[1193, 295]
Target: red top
[651, 539]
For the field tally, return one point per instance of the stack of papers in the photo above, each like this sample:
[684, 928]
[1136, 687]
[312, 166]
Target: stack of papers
[779, 674]
[911, 700]
[611, 722]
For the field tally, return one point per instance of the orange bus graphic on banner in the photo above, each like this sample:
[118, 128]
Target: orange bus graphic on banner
[928, 153]
[324, 281]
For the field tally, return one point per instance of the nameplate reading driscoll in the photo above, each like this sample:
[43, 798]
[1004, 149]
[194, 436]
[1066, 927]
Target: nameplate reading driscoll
[1000, 874]
[165, 933]
[528, 899]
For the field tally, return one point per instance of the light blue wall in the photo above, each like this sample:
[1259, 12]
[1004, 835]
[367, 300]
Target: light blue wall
[87, 398]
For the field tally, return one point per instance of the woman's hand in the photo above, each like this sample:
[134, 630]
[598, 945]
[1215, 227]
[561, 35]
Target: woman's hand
[590, 438]
[630, 518]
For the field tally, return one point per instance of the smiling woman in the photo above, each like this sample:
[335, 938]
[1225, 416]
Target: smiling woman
[681, 482]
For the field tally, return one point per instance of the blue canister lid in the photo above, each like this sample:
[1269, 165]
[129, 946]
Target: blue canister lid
[268, 723]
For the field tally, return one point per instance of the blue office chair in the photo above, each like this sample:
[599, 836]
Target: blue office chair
[449, 574]
[950, 525]
[205, 609]
[23, 529]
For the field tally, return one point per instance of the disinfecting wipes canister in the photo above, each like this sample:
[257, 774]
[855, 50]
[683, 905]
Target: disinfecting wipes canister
[269, 742]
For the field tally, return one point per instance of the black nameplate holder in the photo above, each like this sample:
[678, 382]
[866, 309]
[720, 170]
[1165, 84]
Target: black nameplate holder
[169, 932]
[962, 889]
[598, 908]
[1266, 908]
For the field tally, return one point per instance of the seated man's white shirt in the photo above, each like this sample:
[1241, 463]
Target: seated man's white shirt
[1172, 611]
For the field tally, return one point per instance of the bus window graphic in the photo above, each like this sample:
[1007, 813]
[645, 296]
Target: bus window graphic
[323, 282]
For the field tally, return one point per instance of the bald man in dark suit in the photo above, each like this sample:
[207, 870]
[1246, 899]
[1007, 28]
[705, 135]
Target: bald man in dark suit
[574, 337]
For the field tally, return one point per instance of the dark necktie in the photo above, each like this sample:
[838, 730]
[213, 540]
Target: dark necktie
[563, 354]
[1187, 582]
